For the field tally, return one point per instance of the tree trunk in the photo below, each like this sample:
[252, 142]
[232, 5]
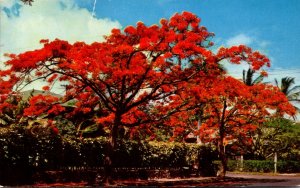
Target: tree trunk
[222, 153]
[223, 167]
[109, 153]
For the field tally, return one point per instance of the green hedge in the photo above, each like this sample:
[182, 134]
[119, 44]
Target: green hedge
[23, 152]
[288, 166]
[263, 166]
[22, 149]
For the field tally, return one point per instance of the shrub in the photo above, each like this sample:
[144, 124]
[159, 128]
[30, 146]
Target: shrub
[23, 152]
[288, 166]
[263, 166]
[258, 166]
[43, 150]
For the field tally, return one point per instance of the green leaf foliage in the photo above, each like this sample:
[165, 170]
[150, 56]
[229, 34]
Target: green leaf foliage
[263, 166]
[20, 148]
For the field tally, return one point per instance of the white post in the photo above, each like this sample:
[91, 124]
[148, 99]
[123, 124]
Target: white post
[275, 162]
[242, 163]
[198, 135]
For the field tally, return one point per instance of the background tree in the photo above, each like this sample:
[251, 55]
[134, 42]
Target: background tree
[232, 112]
[11, 109]
[248, 77]
[237, 110]
[292, 92]
[29, 2]
[278, 135]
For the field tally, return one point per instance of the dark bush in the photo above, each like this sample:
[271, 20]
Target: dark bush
[23, 152]
[258, 166]
[162, 154]
[28, 152]
[288, 166]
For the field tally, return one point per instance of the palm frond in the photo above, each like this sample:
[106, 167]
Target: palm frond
[29, 2]
[258, 80]
[244, 76]
[294, 89]
[276, 82]
[250, 73]
[294, 95]
[222, 67]
[286, 83]
[248, 77]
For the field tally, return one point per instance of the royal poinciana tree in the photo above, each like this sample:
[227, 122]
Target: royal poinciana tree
[223, 109]
[126, 74]
[229, 112]
[236, 110]
[133, 79]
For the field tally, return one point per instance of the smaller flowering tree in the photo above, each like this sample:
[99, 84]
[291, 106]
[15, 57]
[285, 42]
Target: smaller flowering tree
[228, 110]
[237, 110]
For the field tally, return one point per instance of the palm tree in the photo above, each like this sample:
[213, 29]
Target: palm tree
[29, 2]
[291, 92]
[248, 77]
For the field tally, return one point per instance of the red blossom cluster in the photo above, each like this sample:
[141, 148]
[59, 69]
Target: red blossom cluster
[40, 104]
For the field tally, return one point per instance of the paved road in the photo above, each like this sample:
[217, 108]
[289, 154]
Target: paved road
[289, 180]
[232, 180]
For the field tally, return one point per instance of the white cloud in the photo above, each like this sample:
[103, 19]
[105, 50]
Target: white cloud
[239, 39]
[245, 39]
[263, 44]
[7, 3]
[49, 19]
[279, 73]
[235, 70]
[252, 41]
[24, 26]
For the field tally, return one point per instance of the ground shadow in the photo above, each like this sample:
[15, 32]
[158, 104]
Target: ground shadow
[203, 182]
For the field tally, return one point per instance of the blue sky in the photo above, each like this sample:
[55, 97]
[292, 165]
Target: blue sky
[273, 25]
[270, 26]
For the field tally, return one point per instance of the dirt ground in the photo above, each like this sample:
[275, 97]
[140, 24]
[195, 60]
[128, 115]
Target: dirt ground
[231, 180]
[282, 180]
